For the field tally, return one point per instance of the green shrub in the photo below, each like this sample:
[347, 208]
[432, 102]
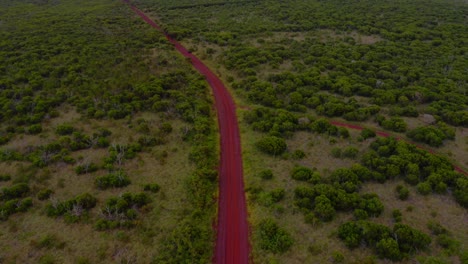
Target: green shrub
[113, 180]
[298, 154]
[273, 238]
[272, 145]
[351, 234]
[34, 129]
[394, 123]
[436, 228]
[343, 132]
[266, 174]
[48, 242]
[350, 152]
[151, 187]
[16, 191]
[367, 133]
[64, 129]
[120, 212]
[360, 214]
[424, 188]
[336, 153]
[5, 139]
[461, 191]
[440, 187]
[5, 177]
[46, 259]
[277, 194]
[448, 243]
[388, 248]
[44, 194]
[371, 204]
[324, 208]
[410, 239]
[86, 168]
[430, 135]
[166, 128]
[402, 192]
[301, 173]
[14, 206]
[337, 257]
[84, 201]
[397, 215]
[102, 142]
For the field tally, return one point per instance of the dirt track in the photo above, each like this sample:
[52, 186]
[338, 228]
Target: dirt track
[232, 245]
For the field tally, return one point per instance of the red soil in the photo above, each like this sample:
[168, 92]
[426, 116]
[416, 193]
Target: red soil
[232, 245]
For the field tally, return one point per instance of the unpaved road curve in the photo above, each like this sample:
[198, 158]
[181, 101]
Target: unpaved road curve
[232, 244]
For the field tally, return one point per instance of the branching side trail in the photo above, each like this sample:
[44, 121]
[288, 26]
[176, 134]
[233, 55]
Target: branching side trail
[232, 245]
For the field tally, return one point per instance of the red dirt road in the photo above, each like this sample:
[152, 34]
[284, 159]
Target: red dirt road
[232, 245]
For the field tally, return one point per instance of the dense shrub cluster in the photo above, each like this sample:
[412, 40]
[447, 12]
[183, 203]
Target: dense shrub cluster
[13, 200]
[16, 191]
[273, 238]
[394, 244]
[301, 173]
[12, 206]
[74, 209]
[433, 136]
[275, 122]
[390, 158]
[394, 123]
[272, 145]
[112, 180]
[121, 211]
[323, 200]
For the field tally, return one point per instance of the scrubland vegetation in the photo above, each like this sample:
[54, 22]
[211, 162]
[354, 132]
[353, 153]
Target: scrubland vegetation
[320, 193]
[108, 138]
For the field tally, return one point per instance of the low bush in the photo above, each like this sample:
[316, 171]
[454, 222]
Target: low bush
[151, 187]
[16, 191]
[402, 192]
[274, 238]
[266, 174]
[5, 177]
[73, 208]
[121, 212]
[272, 145]
[44, 194]
[112, 180]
